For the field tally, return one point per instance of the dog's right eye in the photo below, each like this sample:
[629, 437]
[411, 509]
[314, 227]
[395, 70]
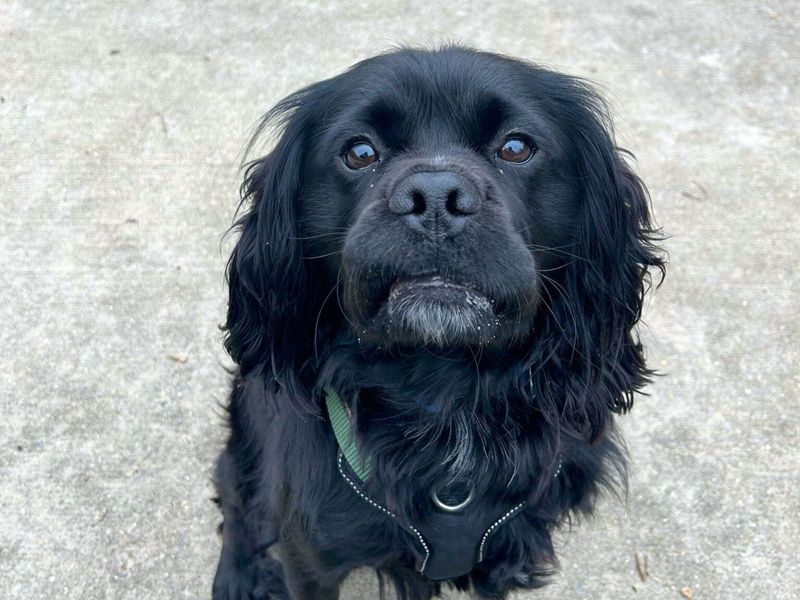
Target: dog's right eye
[360, 155]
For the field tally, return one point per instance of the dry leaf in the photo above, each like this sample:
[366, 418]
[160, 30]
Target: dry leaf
[641, 567]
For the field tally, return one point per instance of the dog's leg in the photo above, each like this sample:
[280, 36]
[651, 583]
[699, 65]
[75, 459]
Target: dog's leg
[306, 577]
[245, 570]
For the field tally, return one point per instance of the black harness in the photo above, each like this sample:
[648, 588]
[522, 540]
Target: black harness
[453, 538]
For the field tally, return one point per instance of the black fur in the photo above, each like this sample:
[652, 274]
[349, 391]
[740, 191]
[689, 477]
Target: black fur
[561, 248]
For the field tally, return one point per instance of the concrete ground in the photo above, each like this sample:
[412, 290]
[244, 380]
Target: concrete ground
[121, 128]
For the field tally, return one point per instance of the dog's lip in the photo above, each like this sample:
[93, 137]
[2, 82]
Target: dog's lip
[437, 287]
[431, 282]
[427, 281]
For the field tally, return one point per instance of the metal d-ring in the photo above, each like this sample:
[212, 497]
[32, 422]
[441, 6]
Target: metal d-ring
[452, 507]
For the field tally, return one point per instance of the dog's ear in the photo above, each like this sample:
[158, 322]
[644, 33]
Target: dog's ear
[604, 287]
[269, 293]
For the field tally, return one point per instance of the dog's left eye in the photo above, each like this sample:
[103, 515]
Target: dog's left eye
[515, 150]
[360, 155]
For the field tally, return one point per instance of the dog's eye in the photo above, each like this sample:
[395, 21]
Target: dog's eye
[515, 150]
[360, 155]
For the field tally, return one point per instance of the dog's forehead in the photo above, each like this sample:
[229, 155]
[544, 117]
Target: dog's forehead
[435, 94]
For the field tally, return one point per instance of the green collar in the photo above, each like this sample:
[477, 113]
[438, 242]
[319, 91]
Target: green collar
[339, 414]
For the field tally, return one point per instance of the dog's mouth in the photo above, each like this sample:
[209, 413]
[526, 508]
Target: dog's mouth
[436, 291]
[435, 311]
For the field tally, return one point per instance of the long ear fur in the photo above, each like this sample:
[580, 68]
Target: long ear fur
[270, 297]
[593, 363]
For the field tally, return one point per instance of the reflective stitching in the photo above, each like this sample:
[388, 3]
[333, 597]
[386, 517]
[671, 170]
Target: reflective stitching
[421, 539]
[507, 516]
[382, 509]
[497, 524]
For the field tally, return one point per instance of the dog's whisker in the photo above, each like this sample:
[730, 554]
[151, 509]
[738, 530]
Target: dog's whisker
[563, 293]
[339, 300]
[334, 253]
[319, 314]
[334, 235]
[560, 267]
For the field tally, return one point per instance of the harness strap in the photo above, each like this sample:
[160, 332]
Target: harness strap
[410, 528]
[339, 414]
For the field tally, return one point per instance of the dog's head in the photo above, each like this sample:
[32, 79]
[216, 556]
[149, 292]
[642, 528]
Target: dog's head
[450, 199]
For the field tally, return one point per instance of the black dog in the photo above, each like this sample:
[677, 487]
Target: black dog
[432, 306]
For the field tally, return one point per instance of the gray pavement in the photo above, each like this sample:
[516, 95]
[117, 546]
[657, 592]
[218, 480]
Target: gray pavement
[121, 128]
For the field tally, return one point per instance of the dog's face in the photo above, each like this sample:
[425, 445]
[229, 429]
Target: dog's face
[441, 194]
[450, 199]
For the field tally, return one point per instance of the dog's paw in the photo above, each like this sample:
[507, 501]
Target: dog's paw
[260, 581]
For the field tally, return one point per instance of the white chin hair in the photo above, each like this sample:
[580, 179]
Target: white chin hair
[459, 315]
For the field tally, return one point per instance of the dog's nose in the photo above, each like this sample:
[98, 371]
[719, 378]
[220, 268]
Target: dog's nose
[437, 203]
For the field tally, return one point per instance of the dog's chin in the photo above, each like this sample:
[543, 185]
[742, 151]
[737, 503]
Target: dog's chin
[436, 313]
